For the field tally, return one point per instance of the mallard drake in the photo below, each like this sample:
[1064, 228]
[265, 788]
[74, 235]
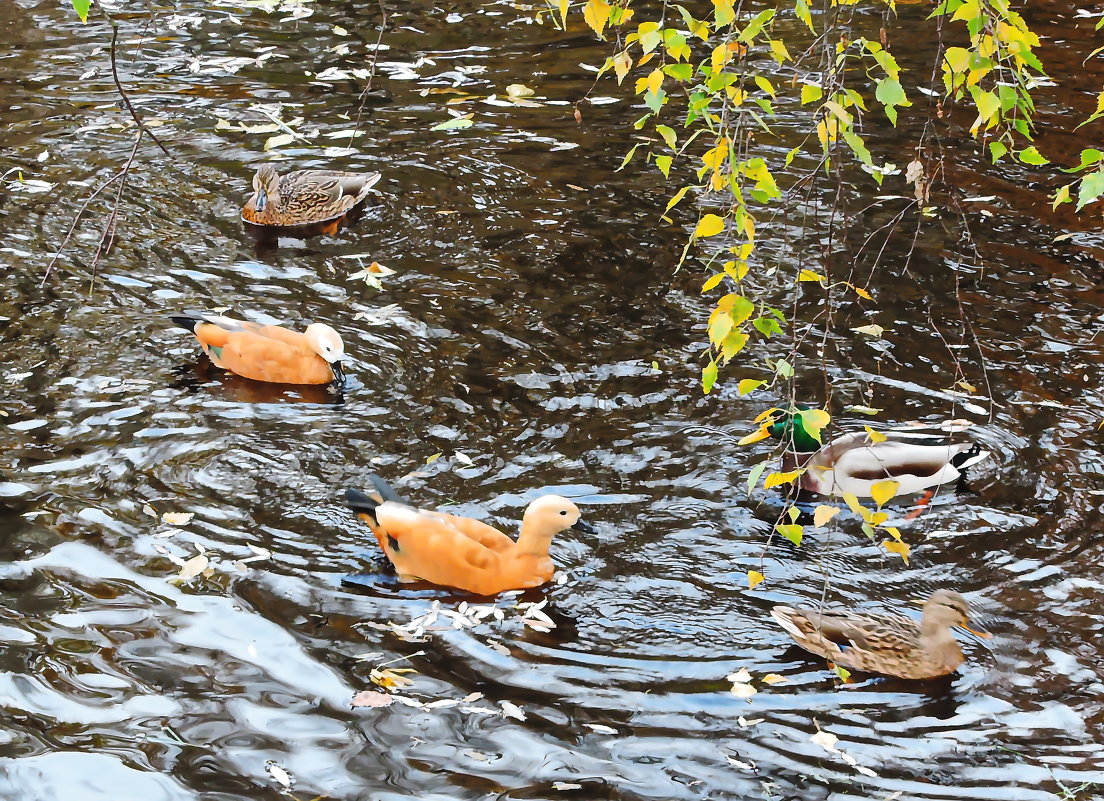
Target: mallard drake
[305, 197]
[268, 352]
[462, 552]
[890, 644]
[853, 463]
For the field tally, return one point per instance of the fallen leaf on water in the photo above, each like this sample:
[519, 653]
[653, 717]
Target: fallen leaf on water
[598, 727]
[177, 518]
[755, 578]
[850, 760]
[744, 691]
[281, 776]
[519, 90]
[149, 510]
[826, 740]
[191, 568]
[745, 723]
[742, 765]
[512, 710]
[566, 786]
[872, 330]
[773, 678]
[278, 141]
[372, 698]
[391, 678]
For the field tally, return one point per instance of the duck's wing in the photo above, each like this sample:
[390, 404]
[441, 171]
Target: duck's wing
[431, 546]
[324, 193]
[849, 637]
[914, 467]
[477, 530]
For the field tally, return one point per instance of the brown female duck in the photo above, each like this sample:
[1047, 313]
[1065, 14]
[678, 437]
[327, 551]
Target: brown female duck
[890, 644]
[305, 197]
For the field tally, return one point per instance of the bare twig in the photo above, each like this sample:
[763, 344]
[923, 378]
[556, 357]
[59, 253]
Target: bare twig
[76, 219]
[122, 92]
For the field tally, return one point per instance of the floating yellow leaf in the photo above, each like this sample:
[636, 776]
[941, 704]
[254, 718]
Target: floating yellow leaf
[755, 578]
[773, 678]
[899, 548]
[882, 491]
[754, 436]
[823, 513]
[389, 678]
[875, 436]
[871, 330]
[775, 479]
[709, 225]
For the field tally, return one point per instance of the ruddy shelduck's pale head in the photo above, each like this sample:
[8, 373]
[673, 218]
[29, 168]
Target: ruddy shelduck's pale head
[326, 342]
[548, 515]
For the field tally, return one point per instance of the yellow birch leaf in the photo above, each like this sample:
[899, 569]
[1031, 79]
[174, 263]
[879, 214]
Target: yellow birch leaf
[823, 513]
[597, 14]
[674, 201]
[900, 548]
[893, 531]
[810, 275]
[622, 63]
[882, 491]
[755, 578]
[754, 436]
[875, 436]
[853, 503]
[774, 479]
[773, 678]
[709, 225]
[563, 12]
[747, 385]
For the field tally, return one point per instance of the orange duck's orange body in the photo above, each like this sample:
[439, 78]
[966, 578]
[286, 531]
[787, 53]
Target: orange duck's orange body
[269, 352]
[459, 551]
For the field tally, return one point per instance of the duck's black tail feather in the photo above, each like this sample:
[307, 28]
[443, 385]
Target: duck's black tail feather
[967, 457]
[187, 323]
[385, 490]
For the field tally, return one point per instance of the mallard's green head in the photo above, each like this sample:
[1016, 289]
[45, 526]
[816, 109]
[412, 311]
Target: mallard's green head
[800, 425]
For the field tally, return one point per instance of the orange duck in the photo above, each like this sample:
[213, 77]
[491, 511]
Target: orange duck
[305, 197]
[269, 352]
[461, 552]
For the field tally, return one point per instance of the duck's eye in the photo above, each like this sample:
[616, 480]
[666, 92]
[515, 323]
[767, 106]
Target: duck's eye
[563, 512]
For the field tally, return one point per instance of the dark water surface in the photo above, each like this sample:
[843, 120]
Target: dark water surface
[532, 292]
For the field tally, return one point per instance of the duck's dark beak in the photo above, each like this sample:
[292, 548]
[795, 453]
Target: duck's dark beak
[583, 526]
[339, 374]
[262, 199]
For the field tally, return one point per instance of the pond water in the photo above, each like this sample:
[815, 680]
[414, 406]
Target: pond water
[533, 290]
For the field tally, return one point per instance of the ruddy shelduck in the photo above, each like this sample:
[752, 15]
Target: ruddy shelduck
[461, 552]
[269, 352]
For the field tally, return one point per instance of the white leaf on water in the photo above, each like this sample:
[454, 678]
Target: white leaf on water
[192, 568]
[598, 727]
[566, 786]
[826, 740]
[741, 676]
[744, 691]
[43, 156]
[278, 141]
[739, 764]
[463, 458]
[512, 710]
[177, 518]
[282, 777]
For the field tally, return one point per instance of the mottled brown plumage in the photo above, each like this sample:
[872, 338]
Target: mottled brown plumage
[305, 197]
[891, 644]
